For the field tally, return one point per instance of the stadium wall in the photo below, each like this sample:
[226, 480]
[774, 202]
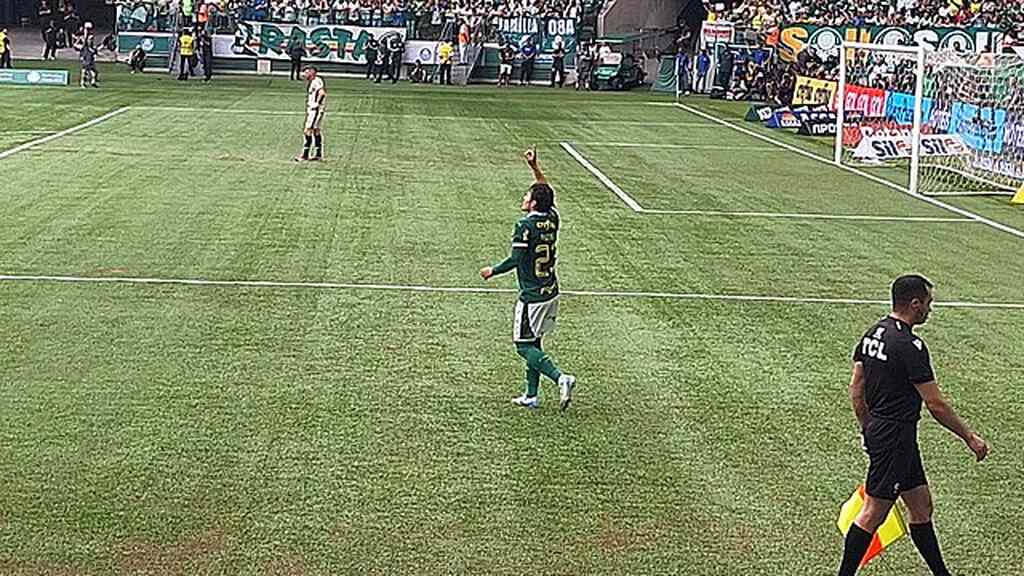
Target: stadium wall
[629, 16]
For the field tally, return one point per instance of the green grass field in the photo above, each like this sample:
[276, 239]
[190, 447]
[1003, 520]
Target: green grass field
[366, 428]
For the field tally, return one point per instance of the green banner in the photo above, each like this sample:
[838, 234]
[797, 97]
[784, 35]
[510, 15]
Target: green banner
[824, 41]
[667, 72]
[155, 44]
[545, 33]
[34, 77]
[326, 43]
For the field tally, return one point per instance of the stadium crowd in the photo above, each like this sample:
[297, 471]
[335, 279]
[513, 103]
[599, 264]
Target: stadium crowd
[762, 15]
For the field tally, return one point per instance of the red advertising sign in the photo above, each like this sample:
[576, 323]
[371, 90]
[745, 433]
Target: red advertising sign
[867, 101]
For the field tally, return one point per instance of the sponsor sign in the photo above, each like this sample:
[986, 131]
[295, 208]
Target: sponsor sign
[824, 41]
[881, 148]
[155, 44]
[759, 113]
[982, 128]
[783, 118]
[866, 128]
[717, 33]
[870, 102]
[899, 106]
[327, 43]
[814, 91]
[423, 50]
[817, 123]
[34, 77]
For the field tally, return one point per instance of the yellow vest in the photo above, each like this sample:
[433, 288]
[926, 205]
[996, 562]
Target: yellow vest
[3, 42]
[445, 52]
[188, 45]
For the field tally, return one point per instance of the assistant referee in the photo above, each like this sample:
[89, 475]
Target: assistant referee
[892, 376]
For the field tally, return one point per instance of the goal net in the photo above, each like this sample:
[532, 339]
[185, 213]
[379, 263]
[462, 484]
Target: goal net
[936, 123]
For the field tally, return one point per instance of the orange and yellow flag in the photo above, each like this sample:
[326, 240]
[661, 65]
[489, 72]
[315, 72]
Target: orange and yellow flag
[894, 527]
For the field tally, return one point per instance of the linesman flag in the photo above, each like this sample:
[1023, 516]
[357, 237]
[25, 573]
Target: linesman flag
[894, 527]
[1018, 198]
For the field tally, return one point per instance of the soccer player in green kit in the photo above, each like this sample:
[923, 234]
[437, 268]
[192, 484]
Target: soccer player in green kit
[533, 258]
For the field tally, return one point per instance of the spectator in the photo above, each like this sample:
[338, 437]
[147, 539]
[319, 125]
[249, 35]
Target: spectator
[206, 53]
[137, 59]
[558, 64]
[50, 34]
[396, 50]
[418, 74]
[87, 56]
[5, 49]
[703, 65]
[296, 50]
[507, 55]
[71, 23]
[683, 67]
[529, 55]
[585, 55]
[372, 48]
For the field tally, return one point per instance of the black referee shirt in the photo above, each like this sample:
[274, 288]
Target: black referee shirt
[895, 360]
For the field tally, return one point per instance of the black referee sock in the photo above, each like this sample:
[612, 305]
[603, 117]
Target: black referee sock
[857, 542]
[927, 544]
[318, 144]
[305, 148]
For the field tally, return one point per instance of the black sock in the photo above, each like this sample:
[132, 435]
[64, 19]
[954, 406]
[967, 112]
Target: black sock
[927, 544]
[318, 143]
[857, 542]
[305, 149]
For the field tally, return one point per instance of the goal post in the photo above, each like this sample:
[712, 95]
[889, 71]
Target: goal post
[934, 122]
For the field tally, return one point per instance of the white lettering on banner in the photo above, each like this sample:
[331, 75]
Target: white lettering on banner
[878, 147]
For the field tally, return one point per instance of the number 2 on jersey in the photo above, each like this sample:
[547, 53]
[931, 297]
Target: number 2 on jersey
[542, 264]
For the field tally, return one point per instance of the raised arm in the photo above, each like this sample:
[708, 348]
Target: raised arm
[531, 160]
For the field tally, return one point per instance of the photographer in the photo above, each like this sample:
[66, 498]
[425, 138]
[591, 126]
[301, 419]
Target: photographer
[137, 59]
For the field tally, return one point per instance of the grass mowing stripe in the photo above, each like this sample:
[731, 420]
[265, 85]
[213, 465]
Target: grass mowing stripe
[62, 133]
[992, 223]
[475, 290]
[250, 112]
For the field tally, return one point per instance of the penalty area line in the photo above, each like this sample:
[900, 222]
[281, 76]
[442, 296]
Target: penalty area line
[62, 133]
[938, 203]
[280, 284]
[636, 207]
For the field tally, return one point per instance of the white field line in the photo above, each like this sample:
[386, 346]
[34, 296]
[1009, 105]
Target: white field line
[258, 112]
[26, 132]
[872, 177]
[633, 204]
[681, 146]
[812, 216]
[62, 133]
[636, 207]
[275, 284]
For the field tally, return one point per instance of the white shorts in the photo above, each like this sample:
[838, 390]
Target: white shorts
[314, 118]
[533, 320]
[506, 69]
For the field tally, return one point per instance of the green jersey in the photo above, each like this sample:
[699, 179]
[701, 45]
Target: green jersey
[533, 256]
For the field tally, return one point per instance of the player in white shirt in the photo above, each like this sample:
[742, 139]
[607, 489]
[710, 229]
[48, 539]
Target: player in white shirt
[316, 101]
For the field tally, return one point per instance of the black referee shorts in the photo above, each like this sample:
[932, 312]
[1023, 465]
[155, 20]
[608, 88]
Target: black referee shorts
[895, 458]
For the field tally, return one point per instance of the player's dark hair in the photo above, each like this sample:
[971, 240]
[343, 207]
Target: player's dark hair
[313, 68]
[908, 287]
[543, 195]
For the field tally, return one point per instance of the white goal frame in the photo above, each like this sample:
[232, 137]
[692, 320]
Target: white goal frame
[918, 53]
